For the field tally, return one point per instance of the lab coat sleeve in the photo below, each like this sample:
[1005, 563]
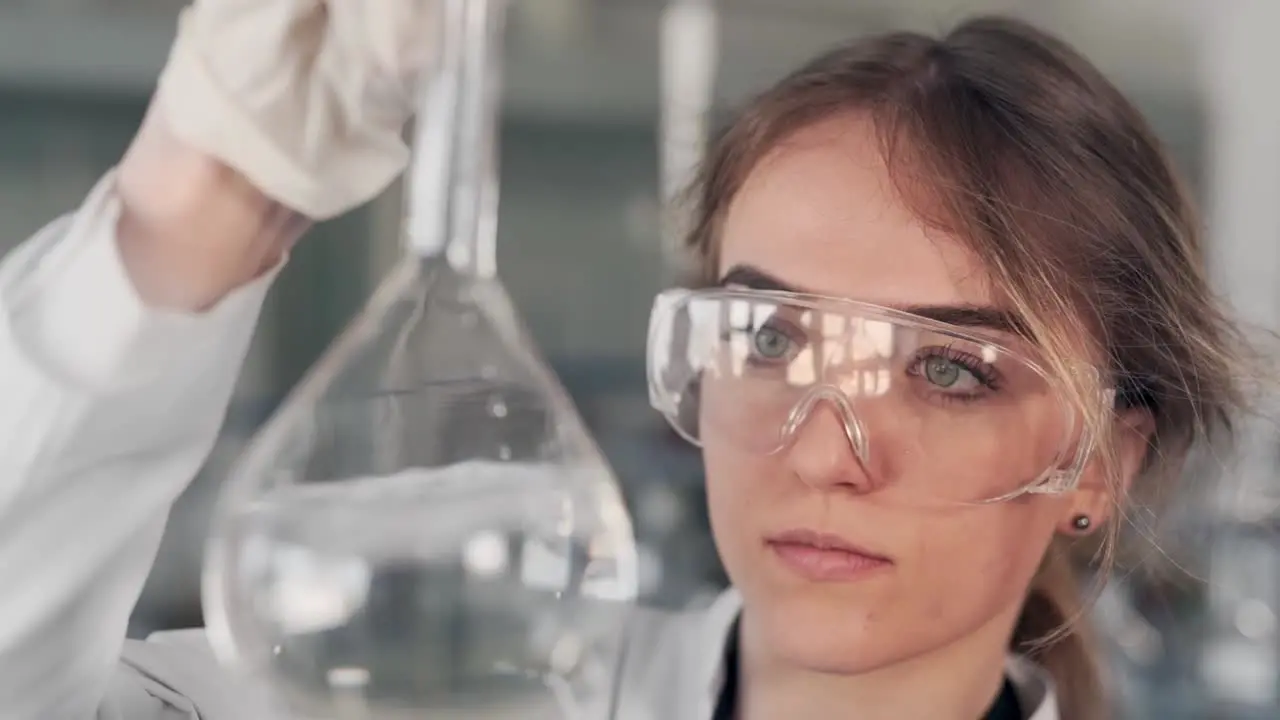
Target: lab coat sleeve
[108, 408]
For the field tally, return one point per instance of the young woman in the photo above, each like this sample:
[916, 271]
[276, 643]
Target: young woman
[953, 309]
[951, 313]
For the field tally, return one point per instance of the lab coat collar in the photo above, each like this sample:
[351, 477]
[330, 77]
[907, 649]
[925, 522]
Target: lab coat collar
[1033, 684]
[721, 621]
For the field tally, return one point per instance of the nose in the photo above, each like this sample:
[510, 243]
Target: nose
[828, 442]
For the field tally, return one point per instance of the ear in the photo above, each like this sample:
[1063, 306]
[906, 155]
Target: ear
[1097, 497]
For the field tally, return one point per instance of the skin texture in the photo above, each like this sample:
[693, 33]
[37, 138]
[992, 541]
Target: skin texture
[191, 229]
[926, 636]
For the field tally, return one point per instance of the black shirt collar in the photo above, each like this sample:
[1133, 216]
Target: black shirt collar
[1006, 707]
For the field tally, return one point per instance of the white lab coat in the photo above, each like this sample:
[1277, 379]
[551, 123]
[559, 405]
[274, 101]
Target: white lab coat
[108, 410]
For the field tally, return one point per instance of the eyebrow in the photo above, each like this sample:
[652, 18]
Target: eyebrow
[961, 315]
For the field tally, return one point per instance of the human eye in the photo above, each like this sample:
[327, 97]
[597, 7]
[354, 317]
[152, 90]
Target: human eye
[773, 343]
[954, 375]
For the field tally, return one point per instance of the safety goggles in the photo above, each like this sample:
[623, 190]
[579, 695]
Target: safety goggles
[953, 414]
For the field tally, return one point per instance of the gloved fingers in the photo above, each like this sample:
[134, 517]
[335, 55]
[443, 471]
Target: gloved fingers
[378, 52]
[260, 23]
[307, 99]
[398, 38]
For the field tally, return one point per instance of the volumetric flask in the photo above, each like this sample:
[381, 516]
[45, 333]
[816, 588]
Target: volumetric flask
[425, 529]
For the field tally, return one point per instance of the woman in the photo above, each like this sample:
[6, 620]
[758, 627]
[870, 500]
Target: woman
[952, 309]
[894, 493]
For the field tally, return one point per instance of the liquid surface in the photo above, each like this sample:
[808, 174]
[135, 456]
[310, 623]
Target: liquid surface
[484, 589]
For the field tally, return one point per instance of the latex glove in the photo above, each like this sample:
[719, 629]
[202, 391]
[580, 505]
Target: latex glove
[307, 99]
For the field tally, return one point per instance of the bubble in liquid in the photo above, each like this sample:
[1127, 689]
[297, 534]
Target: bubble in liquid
[486, 554]
[348, 677]
[1255, 620]
[566, 654]
[498, 407]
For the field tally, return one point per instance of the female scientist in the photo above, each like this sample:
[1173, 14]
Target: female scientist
[983, 217]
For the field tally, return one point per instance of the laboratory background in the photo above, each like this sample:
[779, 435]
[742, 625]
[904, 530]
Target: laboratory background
[583, 248]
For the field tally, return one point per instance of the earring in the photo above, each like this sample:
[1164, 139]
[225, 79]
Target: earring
[1081, 523]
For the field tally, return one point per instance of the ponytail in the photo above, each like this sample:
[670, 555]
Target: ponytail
[1053, 631]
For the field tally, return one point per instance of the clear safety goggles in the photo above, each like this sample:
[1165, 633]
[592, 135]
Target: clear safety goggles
[953, 414]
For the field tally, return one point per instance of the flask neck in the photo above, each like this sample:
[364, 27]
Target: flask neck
[452, 202]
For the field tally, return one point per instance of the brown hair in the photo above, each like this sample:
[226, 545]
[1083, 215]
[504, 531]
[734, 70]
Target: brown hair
[1008, 138]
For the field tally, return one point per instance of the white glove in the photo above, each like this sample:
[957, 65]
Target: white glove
[306, 98]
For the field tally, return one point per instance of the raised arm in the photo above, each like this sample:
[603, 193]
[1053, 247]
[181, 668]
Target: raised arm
[123, 326]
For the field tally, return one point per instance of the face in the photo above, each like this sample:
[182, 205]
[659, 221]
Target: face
[821, 213]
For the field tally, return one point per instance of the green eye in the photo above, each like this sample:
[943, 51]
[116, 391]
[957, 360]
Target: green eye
[943, 372]
[946, 374]
[771, 344]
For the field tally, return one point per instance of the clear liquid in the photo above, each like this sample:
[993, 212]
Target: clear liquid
[481, 590]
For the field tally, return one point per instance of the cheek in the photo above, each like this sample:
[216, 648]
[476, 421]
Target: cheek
[738, 490]
[970, 568]
[988, 545]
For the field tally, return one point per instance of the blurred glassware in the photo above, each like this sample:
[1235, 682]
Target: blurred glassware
[689, 50]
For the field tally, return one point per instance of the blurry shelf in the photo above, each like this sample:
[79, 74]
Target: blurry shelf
[601, 68]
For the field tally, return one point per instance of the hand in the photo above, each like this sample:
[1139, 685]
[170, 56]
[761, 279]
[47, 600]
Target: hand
[269, 114]
[307, 99]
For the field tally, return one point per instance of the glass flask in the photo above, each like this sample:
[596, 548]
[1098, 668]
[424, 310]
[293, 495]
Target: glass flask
[425, 528]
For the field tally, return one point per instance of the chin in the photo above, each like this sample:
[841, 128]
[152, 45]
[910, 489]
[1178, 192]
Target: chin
[825, 633]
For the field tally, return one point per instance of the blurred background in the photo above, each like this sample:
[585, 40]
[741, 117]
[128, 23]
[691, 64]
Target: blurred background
[580, 252]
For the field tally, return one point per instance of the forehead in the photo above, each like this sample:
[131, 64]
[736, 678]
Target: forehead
[821, 212]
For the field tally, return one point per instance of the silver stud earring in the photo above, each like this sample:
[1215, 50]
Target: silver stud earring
[1081, 523]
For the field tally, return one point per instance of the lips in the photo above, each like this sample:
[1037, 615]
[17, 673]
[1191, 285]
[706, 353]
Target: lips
[824, 557]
